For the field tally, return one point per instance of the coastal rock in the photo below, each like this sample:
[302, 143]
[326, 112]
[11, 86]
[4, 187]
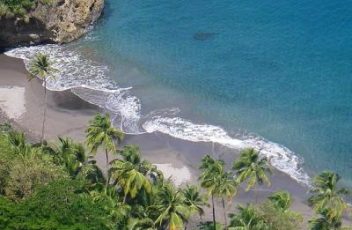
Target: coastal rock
[61, 21]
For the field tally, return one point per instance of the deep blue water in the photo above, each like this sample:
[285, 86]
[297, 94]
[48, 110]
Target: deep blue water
[280, 69]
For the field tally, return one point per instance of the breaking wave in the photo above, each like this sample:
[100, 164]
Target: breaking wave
[280, 157]
[89, 80]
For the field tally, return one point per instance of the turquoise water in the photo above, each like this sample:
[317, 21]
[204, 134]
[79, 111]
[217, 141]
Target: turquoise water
[281, 70]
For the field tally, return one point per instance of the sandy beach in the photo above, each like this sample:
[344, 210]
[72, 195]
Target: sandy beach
[21, 101]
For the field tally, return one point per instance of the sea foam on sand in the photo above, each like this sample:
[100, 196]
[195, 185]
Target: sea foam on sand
[89, 80]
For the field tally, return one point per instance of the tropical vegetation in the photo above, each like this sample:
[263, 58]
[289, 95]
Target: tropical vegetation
[58, 185]
[19, 8]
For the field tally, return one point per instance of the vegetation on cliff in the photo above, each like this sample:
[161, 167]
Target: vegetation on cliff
[10, 8]
[28, 22]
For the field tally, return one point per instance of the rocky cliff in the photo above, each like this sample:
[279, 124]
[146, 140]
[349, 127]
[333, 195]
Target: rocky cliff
[61, 21]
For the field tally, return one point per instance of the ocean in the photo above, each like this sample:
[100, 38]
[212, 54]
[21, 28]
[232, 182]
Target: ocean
[273, 75]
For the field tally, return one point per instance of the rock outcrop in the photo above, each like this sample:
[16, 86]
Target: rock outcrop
[61, 21]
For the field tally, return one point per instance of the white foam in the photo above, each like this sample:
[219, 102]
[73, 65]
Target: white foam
[89, 81]
[186, 130]
[280, 157]
[72, 69]
[129, 109]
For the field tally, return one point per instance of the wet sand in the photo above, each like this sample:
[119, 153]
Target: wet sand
[68, 115]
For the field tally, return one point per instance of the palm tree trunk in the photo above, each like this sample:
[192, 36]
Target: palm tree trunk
[44, 113]
[212, 202]
[107, 169]
[225, 216]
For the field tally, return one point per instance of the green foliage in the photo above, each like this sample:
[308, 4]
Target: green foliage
[19, 8]
[273, 214]
[41, 66]
[247, 218]
[323, 222]
[71, 155]
[15, 7]
[252, 168]
[131, 173]
[4, 9]
[129, 178]
[277, 218]
[208, 225]
[30, 171]
[59, 205]
[59, 186]
[170, 208]
[217, 182]
[23, 167]
[101, 133]
[281, 200]
[6, 158]
[6, 127]
[18, 143]
[327, 198]
[194, 199]
[215, 179]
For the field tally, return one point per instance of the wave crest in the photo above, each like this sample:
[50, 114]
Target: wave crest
[280, 157]
[89, 81]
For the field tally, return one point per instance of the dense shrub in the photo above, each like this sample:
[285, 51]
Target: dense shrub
[10, 8]
[59, 205]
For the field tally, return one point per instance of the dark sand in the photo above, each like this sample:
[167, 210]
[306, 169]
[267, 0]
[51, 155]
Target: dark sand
[68, 115]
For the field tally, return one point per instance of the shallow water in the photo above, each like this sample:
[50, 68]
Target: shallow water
[280, 70]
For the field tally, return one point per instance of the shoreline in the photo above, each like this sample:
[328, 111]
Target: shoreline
[68, 115]
[90, 81]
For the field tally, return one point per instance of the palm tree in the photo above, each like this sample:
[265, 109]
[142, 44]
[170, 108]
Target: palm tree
[17, 142]
[227, 188]
[41, 67]
[252, 168]
[211, 171]
[118, 211]
[324, 222]
[218, 182]
[131, 153]
[247, 218]
[71, 154]
[101, 133]
[194, 199]
[281, 200]
[130, 177]
[172, 211]
[327, 198]
[277, 213]
[141, 224]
